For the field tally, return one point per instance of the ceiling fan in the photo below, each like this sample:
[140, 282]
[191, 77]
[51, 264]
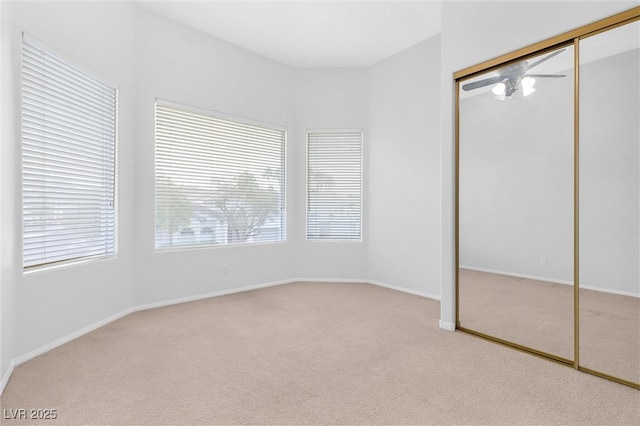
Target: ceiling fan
[511, 77]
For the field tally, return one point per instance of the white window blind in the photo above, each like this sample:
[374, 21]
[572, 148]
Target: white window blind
[68, 160]
[334, 185]
[218, 180]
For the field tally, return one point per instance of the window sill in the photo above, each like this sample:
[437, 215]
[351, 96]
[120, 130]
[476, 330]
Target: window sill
[29, 270]
[216, 246]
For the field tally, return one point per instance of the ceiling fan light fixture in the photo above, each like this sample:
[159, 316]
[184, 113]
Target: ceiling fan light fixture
[527, 85]
[499, 89]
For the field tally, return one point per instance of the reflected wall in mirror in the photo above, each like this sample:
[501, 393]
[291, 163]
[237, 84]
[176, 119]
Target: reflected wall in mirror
[609, 202]
[515, 223]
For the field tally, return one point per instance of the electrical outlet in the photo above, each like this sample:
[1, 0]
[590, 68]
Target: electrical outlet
[225, 268]
[544, 260]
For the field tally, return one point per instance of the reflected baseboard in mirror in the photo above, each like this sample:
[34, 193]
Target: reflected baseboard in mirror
[610, 333]
[527, 312]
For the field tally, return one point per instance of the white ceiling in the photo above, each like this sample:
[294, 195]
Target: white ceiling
[311, 34]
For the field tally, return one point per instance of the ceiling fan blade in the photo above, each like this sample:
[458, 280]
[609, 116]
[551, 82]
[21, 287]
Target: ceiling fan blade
[546, 58]
[482, 83]
[545, 75]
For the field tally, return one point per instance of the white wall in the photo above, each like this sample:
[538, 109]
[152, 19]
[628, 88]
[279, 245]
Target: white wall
[5, 131]
[404, 169]
[179, 64]
[328, 99]
[473, 32]
[40, 307]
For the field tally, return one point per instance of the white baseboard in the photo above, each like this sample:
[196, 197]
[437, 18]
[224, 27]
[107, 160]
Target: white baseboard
[59, 342]
[331, 280]
[449, 326]
[515, 274]
[609, 290]
[406, 290]
[208, 295]
[276, 283]
[69, 337]
[372, 282]
[550, 280]
[7, 375]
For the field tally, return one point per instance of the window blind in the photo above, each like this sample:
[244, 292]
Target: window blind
[218, 180]
[68, 160]
[334, 185]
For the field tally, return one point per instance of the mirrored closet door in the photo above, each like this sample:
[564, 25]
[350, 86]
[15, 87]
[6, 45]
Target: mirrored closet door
[515, 223]
[609, 202]
[548, 198]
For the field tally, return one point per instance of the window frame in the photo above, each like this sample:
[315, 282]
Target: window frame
[232, 118]
[362, 185]
[76, 260]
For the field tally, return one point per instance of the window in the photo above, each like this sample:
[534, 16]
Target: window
[68, 160]
[334, 185]
[218, 180]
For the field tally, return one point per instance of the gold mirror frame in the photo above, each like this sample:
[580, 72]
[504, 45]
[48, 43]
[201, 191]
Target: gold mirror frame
[573, 38]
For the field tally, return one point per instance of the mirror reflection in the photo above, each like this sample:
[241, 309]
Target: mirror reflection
[515, 277]
[609, 202]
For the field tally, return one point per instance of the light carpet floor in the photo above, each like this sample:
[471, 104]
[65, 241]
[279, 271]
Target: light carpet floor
[539, 314]
[306, 353]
